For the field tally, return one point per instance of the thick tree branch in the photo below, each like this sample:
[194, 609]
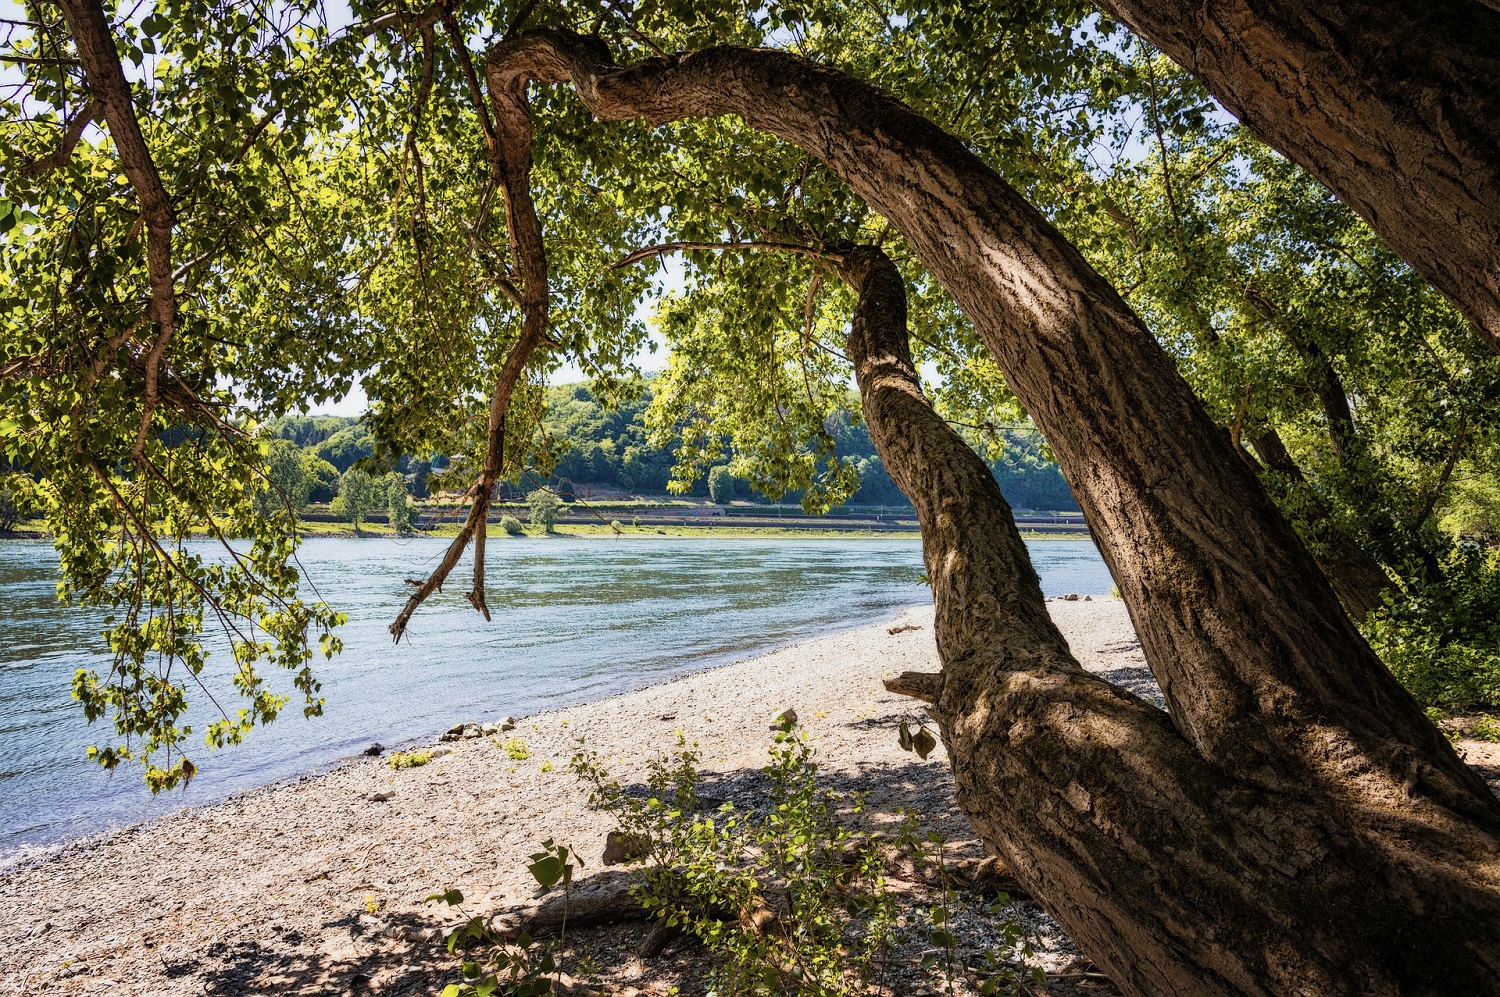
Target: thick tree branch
[111, 93]
[1391, 104]
[1078, 785]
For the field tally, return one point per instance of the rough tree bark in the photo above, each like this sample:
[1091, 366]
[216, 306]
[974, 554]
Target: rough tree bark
[1176, 875]
[1393, 105]
[1281, 719]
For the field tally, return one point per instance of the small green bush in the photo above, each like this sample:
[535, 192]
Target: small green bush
[512, 526]
[410, 759]
[515, 749]
[1443, 641]
[723, 875]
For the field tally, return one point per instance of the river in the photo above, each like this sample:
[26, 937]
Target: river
[575, 619]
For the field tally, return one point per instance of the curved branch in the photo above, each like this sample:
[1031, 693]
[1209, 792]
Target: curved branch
[510, 165]
[111, 94]
[72, 134]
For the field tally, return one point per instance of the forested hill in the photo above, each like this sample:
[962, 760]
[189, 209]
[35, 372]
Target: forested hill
[606, 449]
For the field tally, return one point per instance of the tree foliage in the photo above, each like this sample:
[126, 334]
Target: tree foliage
[359, 494]
[397, 503]
[721, 484]
[542, 508]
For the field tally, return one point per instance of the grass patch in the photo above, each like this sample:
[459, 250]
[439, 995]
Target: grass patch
[515, 749]
[410, 759]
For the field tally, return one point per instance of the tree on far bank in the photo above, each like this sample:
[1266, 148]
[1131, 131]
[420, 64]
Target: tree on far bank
[10, 508]
[323, 478]
[542, 508]
[357, 497]
[287, 484]
[397, 503]
[721, 484]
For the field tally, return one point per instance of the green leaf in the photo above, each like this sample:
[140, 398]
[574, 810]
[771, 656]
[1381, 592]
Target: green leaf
[547, 871]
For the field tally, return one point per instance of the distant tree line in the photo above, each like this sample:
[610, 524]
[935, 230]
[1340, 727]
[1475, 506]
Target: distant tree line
[609, 448]
[588, 446]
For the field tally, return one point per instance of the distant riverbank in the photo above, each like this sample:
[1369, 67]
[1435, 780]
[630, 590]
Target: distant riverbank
[705, 529]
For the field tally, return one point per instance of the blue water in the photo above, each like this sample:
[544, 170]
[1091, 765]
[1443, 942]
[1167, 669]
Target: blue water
[574, 620]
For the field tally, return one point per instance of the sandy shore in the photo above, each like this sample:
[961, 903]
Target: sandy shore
[319, 886]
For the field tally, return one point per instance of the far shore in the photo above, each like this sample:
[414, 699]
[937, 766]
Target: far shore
[607, 531]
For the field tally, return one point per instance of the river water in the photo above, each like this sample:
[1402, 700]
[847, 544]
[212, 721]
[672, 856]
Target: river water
[575, 619]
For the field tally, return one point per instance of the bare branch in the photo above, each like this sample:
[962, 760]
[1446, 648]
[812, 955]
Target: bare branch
[72, 134]
[397, 18]
[466, 65]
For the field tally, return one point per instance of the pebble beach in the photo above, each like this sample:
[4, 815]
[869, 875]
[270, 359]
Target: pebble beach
[320, 885]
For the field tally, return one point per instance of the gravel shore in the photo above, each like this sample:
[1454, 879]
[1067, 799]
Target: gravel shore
[319, 886]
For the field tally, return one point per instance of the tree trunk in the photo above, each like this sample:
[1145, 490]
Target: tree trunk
[1174, 874]
[1283, 829]
[1393, 105]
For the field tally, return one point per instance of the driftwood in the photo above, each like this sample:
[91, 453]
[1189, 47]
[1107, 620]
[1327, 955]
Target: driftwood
[593, 902]
[606, 899]
[926, 686]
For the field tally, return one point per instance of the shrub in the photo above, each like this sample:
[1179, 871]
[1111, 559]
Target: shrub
[1443, 641]
[793, 901]
[410, 759]
[512, 526]
[515, 749]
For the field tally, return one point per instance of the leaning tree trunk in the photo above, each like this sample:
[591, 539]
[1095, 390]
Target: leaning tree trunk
[1394, 105]
[1176, 875]
[1281, 718]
